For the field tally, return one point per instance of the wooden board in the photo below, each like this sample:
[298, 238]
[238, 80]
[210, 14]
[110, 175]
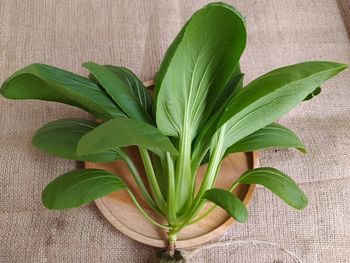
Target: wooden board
[119, 210]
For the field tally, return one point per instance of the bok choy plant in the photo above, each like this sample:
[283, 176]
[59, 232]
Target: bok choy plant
[200, 112]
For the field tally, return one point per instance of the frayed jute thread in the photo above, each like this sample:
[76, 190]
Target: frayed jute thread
[188, 254]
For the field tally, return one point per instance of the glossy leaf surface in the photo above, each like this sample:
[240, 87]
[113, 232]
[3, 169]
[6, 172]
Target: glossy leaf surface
[61, 138]
[272, 135]
[229, 202]
[80, 187]
[270, 96]
[119, 91]
[135, 84]
[122, 132]
[277, 182]
[197, 66]
[44, 82]
[233, 86]
[194, 71]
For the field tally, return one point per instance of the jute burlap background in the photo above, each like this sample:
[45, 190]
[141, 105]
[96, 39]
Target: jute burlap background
[135, 34]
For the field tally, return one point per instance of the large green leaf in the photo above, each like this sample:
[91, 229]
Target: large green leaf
[196, 68]
[263, 101]
[279, 183]
[136, 85]
[120, 91]
[80, 187]
[272, 95]
[272, 135]
[44, 82]
[122, 132]
[61, 138]
[229, 202]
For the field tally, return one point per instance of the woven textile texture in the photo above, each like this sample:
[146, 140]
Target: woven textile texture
[135, 34]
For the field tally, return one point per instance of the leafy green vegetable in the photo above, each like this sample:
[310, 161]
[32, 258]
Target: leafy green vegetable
[122, 132]
[205, 53]
[61, 138]
[272, 135]
[234, 85]
[266, 99]
[120, 91]
[279, 183]
[229, 202]
[80, 187]
[44, 82]
[201, 112]
[136, 85]
[270, 96]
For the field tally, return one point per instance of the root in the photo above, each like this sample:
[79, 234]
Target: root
[171, 249]
[170, 255]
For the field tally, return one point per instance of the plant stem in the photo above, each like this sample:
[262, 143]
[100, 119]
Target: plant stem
[201, 203]
[172, 239]
[233, 186]
[209, 177]
[144, 213]
[213, 167]
[199, 218]
[195, 166]
[157, 194]
[172, 235]
[183, 172]
[171, 198]
[139, 182]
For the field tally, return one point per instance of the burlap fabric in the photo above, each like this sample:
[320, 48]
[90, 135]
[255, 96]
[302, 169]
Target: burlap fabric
[135, 34]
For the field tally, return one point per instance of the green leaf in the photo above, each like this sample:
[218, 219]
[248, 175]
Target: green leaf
[313, 94]
[277, 182]
[196, 67]
[120, 91]
[122, 132]
[61, 138]
[136, 85]
[272, 135]
[229, 202]
[234, 85]
[231, 89]
[80, 187]
[272, 95]
[44, 82]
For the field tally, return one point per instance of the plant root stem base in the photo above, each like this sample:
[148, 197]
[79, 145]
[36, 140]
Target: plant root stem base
[163, 256]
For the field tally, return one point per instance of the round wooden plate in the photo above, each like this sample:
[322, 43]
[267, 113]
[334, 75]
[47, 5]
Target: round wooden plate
[121, 212]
